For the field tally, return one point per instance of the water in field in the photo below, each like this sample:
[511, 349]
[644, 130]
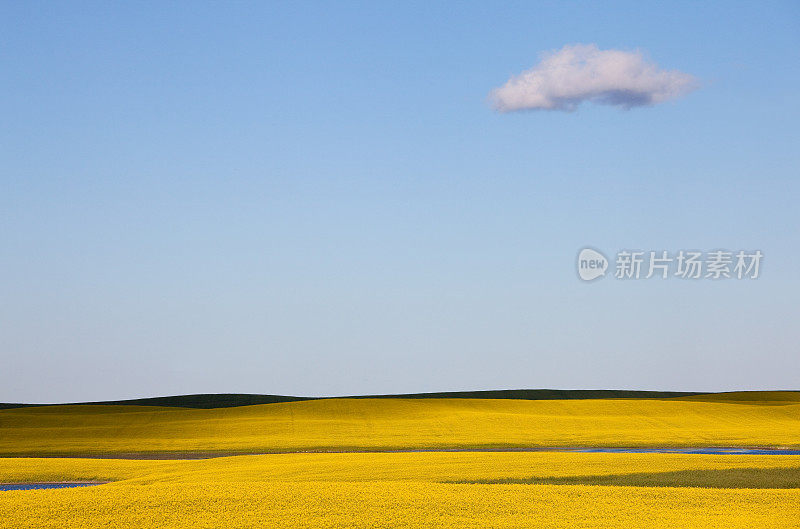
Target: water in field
[623, 450]
[33, 486]
[715, 451]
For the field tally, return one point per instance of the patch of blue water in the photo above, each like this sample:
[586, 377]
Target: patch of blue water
[714, 451]
[34, 486]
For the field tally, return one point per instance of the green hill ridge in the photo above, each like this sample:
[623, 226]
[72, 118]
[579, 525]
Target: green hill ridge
[231, 400]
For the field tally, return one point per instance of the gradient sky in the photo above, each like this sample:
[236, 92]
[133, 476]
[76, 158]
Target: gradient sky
[318, 199]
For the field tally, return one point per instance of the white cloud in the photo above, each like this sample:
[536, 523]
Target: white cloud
[582, 72]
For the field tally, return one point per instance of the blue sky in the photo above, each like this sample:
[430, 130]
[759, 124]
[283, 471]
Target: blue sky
[318, 199]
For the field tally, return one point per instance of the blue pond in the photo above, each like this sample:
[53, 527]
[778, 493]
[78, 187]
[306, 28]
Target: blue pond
[715, 451]
[32, 486]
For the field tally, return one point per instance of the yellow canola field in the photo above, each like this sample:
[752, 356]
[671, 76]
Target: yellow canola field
[758, 419]
[406, 490]
[351, 467]
[328, 505]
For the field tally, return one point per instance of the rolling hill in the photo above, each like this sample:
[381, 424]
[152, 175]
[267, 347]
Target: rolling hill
[768, 419]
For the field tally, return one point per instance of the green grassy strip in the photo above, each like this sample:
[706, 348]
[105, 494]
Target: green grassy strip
[729, 478]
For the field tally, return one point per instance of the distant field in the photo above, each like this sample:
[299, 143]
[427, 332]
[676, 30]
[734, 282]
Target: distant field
[769, 419]
[409, 490]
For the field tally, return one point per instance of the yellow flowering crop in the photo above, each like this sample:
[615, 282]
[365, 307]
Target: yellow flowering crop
[381, 424]
[410, 489]
[390, 490]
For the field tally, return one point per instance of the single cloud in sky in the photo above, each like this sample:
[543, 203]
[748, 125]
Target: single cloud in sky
[583, 72]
